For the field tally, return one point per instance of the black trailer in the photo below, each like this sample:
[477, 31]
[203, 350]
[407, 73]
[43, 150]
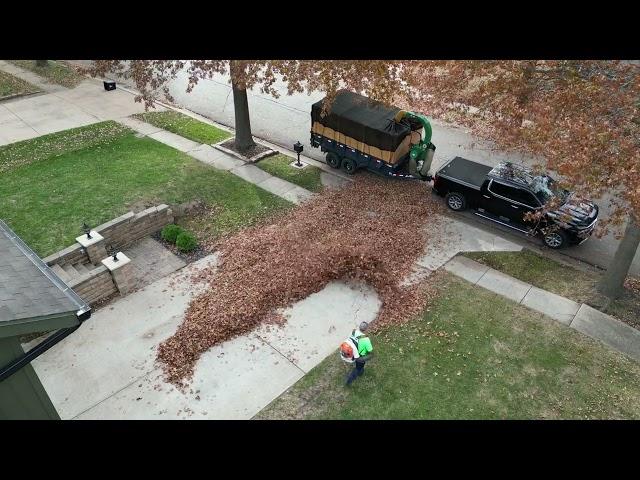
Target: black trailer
[358, 132]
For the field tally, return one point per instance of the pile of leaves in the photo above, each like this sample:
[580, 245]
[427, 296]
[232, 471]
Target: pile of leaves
[372, 230]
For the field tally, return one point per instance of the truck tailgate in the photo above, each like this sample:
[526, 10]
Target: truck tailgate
[466, 172]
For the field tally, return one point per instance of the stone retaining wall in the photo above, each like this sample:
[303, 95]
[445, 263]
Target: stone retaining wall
[121, 232]
[70, 255]
[95, 285]
[125, 230]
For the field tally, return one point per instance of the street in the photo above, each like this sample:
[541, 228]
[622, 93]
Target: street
[286, 120]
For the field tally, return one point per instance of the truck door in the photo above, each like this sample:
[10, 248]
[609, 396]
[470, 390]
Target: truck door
[509, 203]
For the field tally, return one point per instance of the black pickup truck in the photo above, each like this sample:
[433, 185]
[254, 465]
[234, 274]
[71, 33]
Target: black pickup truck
[507, 192]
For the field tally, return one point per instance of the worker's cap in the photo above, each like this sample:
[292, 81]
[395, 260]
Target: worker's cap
[364, 326]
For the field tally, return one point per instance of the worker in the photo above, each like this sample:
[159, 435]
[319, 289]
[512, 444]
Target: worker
[365, 350]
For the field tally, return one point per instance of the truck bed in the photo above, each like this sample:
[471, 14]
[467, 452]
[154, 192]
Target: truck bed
[466, 172]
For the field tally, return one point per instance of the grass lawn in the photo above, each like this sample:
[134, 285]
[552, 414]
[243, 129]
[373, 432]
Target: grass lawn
[54, 72]
[184, 126]
[472, 355]
[47, 192]
[10, 85]
[558, 278]
[279, 166]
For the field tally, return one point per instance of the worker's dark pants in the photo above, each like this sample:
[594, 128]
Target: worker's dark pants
[356, 372]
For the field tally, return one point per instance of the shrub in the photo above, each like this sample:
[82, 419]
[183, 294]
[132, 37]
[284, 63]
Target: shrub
[186, 242]
[170, 233]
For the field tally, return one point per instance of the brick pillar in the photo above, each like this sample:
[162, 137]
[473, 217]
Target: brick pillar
[121, 271]
[94, 246]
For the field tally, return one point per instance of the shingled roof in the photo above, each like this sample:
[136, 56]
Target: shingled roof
[32, 297]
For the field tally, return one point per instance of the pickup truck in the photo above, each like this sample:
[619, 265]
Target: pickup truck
[507, 192]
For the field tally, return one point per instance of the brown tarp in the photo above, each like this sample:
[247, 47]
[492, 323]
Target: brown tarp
[391, 157]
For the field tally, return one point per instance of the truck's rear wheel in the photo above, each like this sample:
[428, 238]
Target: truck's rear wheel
[349, 166]
[456, 201]
[555, 239]
[333, 160]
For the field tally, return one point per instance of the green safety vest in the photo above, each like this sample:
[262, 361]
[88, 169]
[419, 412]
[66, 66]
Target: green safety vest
[363, 343]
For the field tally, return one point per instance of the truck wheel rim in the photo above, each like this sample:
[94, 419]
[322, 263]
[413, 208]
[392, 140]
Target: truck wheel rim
[455, 202]
[553, 240]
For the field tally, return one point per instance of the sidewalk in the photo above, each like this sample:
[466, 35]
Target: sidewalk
[223, 161]
[581, 317]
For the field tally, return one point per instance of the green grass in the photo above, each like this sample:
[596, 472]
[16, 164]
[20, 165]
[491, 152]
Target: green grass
[472, 355]
[10, 85]
[54, 72]
[561, 279]
[26, 152]
[279, 166]
[46, 200]
[184, 126]
[541, 272]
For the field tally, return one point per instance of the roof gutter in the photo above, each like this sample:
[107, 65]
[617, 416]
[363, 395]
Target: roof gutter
[46, 344]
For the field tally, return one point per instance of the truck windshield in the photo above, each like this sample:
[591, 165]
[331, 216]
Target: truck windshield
[545, 188]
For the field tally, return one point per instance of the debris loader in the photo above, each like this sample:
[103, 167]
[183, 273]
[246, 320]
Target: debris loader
[357, 132]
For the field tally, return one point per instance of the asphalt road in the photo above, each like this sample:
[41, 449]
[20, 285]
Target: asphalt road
[287, 119]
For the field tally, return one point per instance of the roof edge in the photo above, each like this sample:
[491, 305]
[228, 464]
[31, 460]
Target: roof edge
[81, 305]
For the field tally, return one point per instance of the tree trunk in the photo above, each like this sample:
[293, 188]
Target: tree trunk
[244, 140]
[612, 282]
[42, 63]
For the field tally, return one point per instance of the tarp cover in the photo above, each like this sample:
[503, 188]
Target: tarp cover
[365, 120]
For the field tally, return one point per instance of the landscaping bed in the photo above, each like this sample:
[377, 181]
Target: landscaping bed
[578, 285]
[472, 355]
[184, 125]
[52, 184]
[280, 166]
[253, 154]
[11, 86]
[55, 72]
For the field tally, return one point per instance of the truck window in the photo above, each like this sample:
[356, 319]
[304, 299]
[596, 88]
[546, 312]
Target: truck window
[515, 194]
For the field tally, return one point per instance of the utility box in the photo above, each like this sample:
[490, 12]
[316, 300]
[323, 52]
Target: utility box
[33, 299]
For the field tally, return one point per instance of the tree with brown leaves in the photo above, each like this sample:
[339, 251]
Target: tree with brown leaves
[581, 117]
[380, 80]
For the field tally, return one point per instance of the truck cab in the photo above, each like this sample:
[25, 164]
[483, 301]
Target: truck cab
[511, 195]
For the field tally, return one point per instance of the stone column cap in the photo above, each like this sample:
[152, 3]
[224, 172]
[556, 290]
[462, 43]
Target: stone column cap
[113, 265]
[87, 242]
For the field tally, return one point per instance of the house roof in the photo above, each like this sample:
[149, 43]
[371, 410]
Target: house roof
[32, 297]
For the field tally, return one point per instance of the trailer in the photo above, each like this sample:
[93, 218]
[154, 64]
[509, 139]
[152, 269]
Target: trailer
[358, 132]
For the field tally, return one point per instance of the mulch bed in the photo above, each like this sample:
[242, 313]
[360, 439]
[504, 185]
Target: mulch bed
[252, 152]
[188, 257]
[372, 230]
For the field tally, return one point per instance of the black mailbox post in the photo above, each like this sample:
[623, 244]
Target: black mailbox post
[298, 148]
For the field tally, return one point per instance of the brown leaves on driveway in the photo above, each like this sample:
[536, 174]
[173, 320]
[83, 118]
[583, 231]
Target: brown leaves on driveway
[371, 230]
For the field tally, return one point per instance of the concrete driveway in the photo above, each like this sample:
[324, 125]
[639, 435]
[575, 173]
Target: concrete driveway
[107, 370]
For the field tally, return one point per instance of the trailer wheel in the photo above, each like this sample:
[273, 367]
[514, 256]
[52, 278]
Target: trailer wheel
[349, 166]
[456, 201]
[333, 160]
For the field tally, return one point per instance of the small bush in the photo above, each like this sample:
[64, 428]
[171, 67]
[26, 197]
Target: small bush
[170, 233]
[186, 242]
